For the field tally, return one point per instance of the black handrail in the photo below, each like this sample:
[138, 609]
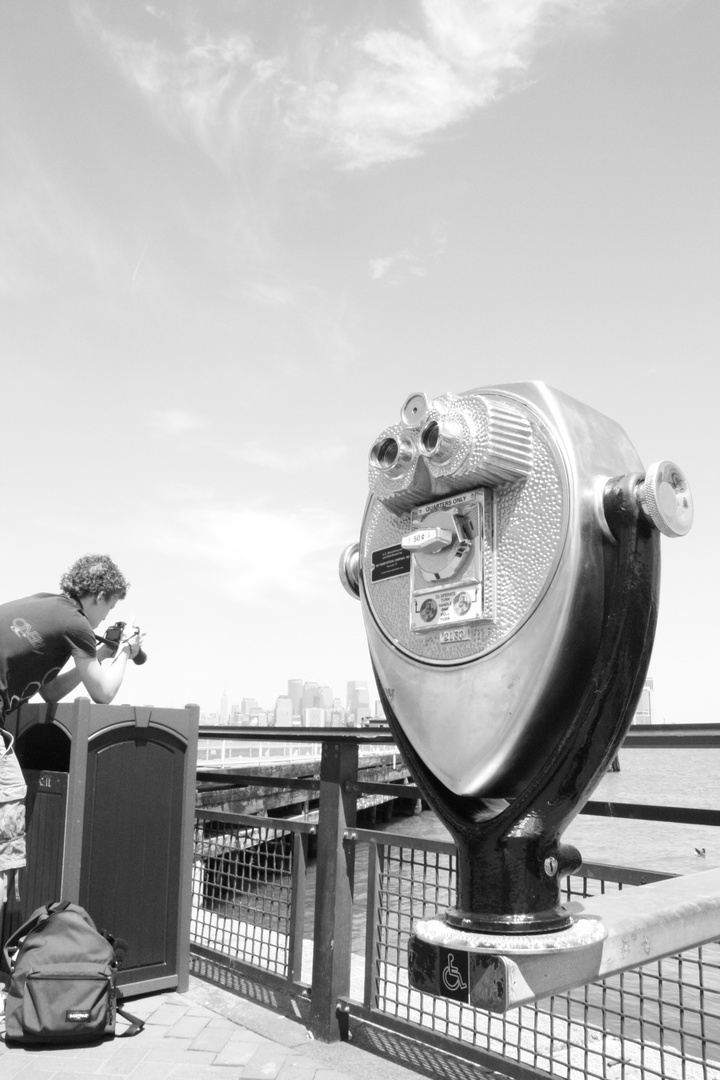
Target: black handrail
[380, 735]
[679, 815]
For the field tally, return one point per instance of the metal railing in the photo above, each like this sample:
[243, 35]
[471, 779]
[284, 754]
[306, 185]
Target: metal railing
[254, 906]
[248, 891]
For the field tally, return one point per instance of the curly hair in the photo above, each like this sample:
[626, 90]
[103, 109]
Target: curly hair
[93, 574]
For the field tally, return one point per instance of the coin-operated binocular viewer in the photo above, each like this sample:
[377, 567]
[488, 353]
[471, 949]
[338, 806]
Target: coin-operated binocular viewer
[508, 571]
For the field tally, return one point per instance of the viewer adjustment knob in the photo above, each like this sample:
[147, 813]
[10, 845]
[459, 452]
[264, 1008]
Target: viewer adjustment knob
[349, 570]
[666, 499]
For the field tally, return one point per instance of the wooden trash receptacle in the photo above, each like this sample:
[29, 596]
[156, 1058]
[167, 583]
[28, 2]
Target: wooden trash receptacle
[111, 807]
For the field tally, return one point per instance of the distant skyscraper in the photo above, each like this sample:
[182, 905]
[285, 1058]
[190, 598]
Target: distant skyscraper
[295, 689]
[643, 713]
[284, 711]
[310, 698]
[224, 708]
[358, 700]
[326, 697]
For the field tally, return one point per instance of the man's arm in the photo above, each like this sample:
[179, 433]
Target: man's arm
[60, 686]
[102, 681]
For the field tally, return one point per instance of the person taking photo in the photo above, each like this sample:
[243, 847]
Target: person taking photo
[39, 634]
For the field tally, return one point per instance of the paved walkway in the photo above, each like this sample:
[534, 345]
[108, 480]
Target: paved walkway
[209, 1033]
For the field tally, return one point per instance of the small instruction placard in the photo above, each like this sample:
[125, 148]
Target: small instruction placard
[390, 562]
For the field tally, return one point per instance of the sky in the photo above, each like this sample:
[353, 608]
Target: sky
[235, 236]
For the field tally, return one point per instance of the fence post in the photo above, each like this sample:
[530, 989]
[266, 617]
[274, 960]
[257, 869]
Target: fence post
[299, 856]
[334, 886]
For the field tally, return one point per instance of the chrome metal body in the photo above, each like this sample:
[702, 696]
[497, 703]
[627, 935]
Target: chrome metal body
[508, 571]
[477, 693]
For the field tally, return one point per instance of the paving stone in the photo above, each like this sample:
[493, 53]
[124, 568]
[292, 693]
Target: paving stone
[127, 1056]
[222, 1022]
[155, 1031]
[243, 1034]
[97, 1051]
[174, 998]
[214, 1039]
[144, 1007]
[207, 1072]
[173, 1053]
[267, 1070]
[34, 1072]
[80, 1067]
[149, 1070]
[12, 1065]
[188, 1028]
[332, 1074]
[77, 1071]
[167, 1014]
[140, 1044]
[264, 1065]
[235, 1052]
[61, 1056]
[296, 1070]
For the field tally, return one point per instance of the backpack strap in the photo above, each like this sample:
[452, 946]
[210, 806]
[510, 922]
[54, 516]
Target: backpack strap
[136, 1024]
[38, 918]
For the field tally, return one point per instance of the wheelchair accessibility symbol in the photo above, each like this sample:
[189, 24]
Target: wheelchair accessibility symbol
[452, 976]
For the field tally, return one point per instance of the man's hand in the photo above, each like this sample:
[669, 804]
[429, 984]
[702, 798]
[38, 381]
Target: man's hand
[133, 642]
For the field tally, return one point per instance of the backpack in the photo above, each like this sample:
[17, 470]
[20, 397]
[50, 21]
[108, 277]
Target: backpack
[62, 986]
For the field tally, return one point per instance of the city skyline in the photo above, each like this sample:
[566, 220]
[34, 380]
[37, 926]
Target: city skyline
[358, 698]
[646, 711]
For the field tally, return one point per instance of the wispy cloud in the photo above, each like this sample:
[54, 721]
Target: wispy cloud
[302, 457]
[411, 261]
[193, 81]
[395, 90]
[256, 452]
[170, 422]
[46, 234]
[234, 542]
[370, 95]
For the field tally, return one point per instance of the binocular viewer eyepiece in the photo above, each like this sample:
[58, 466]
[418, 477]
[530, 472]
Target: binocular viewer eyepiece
[508, 573]
[450, 444]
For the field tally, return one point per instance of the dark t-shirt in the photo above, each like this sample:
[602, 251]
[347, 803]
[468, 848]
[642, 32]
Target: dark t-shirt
[38, 635]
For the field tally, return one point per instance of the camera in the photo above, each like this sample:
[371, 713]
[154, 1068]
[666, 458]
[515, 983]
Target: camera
[113, 637]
